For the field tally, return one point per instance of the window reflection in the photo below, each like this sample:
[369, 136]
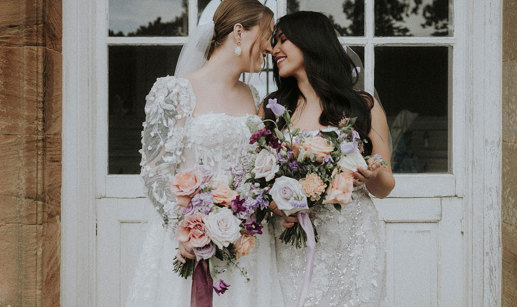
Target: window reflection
[413, 85]
[148, 18]
[412, 18]
[132, 72]
[347, 16]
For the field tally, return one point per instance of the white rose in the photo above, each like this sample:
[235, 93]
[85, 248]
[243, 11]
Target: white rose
[266, 165]
[222, 227]
[288, 195]
[352, 162]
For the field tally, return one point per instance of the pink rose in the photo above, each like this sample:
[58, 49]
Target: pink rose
[187, 183]
[192, 231]
[340, 189]
[223, 195]
[317, 146]
[244, 245]
[313, 186]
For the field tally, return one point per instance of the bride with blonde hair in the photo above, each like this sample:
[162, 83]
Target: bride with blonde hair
[200, 114]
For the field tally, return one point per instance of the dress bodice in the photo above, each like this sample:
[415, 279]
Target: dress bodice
[215, 139]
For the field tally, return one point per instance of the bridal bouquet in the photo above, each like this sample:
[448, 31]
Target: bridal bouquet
[303, 169]
[214, 222]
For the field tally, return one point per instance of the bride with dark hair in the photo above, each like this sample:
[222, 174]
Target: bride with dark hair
[315, 79]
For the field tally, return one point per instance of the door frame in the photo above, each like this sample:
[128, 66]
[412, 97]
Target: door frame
[482, 131]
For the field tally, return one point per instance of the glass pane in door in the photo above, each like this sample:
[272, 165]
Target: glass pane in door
[148, 18]
[413, 86]
[412, 18]
[132, 72]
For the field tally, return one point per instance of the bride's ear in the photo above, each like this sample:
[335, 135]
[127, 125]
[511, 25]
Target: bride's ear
[237, 32]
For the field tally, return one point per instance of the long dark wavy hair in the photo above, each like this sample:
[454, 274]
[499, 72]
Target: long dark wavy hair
[330, 72]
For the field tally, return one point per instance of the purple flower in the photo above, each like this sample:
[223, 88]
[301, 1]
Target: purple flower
[355, 135]
[258, 134]
[206, 252]
[274, 143]
[281, 158]
[328, 159]
[277, 109]
[261, 202]
[349, 147]
[220, 287]
[293, 165]
[188, 210]
[237, 205]
[203, 202]
[253, 227]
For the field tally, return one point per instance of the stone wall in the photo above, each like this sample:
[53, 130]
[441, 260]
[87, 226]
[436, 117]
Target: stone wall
[509, 202]
[30, 151]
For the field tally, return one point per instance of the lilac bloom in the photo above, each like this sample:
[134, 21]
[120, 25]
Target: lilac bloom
[293, 165]
[355, 135]
[261, 202]
[253, 227]
[328, 159]
[220, 287]
[281, 158]
[203, 202]
[188, 210]
[206, 252]
[277, 109]
[348, 148]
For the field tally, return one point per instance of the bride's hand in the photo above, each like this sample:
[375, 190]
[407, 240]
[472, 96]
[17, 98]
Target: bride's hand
[362, 176]
[185, 251]
[288, 220]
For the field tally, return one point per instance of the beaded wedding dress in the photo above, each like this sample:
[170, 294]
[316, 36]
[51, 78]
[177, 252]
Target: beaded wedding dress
[348, 261]
[174, 139]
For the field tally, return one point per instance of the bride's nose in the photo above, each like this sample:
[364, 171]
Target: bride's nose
[269, 49]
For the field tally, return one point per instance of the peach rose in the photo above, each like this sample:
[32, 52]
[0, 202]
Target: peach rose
[187, 183]
[244, 245]
[192, 231]
[340, 189]
[313, 186]
[223, 195]
[317, 146]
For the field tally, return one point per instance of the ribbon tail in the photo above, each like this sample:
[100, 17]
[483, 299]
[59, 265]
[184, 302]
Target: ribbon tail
[202, 286]
[305, 222]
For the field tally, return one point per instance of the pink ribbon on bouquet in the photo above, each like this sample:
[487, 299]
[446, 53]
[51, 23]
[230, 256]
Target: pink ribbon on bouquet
[305, 222]
[202, 285]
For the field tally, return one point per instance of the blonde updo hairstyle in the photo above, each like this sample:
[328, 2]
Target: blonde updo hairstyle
[248, 13]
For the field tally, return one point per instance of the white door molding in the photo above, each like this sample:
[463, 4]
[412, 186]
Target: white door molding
[483, 107]
[483, 135]
[77, 192]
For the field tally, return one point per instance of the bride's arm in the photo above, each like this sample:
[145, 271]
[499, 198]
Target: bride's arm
[379, 180]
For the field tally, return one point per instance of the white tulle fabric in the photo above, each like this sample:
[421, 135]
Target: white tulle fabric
[349, 267]
[173, 140]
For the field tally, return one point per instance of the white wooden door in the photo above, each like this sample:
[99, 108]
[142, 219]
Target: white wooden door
[423, 218]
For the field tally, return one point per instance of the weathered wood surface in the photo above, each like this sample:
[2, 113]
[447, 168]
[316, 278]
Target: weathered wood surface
[30, 152]
[509, 189]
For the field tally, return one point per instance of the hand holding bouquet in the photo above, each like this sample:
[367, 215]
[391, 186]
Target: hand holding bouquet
[214, 222]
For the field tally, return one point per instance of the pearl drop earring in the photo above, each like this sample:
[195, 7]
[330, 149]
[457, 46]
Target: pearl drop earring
[238, 50]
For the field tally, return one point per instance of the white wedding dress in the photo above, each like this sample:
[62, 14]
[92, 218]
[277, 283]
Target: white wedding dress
[349, 268]
[173, 140]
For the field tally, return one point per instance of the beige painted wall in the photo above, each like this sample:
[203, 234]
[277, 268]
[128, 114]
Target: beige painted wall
[30, 151]
[509, 203]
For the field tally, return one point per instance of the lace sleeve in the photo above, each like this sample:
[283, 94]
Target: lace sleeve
[256, 96]
[168, 105]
